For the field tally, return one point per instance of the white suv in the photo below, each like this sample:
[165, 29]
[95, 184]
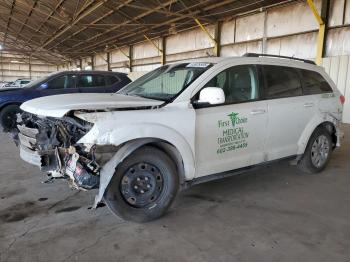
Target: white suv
[182, 124]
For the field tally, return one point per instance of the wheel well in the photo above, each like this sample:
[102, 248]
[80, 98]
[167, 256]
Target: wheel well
[9, 104]
[174, 155]
[331, 129]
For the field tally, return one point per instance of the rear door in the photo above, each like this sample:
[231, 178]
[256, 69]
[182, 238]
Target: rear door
[113, 83]
[289, 111]
[317, 88]
[92, 83]
[231, 135]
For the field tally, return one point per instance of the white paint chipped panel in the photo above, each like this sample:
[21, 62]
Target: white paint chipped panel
[118, 56]
[250, 27]
[291, 19]
[146, 49]
[228, 32]
[347, 12]
[241, 48]
[338, 42]
[189, 41]
[101, 59]
[190, 55]
[303, 46]
[145, 68]
[336, 12]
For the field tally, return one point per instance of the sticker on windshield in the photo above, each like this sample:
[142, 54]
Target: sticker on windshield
[198, 64]
[233, 135]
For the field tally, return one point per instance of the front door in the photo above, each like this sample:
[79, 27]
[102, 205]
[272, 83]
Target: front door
[232, 135]
[63, 84]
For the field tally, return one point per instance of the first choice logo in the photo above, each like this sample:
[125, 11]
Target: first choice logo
[234, 120]
[233, 134]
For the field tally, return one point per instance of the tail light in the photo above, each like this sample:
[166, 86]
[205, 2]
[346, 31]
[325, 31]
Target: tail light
[342, 99]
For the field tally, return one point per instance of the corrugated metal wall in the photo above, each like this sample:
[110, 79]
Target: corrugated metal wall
[289, 30]
[338, 68]
[14, 66]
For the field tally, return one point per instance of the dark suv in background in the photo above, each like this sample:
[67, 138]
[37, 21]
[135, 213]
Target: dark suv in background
[57, 83]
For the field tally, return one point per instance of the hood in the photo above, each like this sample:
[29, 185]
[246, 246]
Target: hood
[59, 105]
[9, 89]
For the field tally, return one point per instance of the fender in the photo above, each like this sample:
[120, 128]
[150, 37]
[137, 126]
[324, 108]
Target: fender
[108, 169]
[310, 128]
[130, 141]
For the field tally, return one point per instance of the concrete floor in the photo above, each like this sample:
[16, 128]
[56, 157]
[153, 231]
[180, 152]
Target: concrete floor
[274, 214]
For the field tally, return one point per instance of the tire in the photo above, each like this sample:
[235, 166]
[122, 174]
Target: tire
[319, 147]
[143, 186]
[8, 117]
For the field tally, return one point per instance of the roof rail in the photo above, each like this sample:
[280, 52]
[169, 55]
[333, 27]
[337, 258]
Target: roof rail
[279, 56]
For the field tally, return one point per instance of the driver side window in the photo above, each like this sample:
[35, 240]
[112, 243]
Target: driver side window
[62, 82]
[239, 83]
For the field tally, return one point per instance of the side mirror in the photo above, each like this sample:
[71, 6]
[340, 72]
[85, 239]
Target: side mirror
[211, 96]
[43, 86]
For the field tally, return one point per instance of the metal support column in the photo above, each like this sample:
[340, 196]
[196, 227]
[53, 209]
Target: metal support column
[30, 67]
[109, 61]
[163, 53]
[217, 37]
[322, 21]
[264, 40]
[2, 69]
[130, 57]
[92, 63]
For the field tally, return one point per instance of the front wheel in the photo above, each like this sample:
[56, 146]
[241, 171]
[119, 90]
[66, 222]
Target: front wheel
[8, 118]
[143, 186]
[317, 152]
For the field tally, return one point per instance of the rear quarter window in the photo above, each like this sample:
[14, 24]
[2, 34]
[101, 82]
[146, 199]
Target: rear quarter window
[314, 83]
[111, 80]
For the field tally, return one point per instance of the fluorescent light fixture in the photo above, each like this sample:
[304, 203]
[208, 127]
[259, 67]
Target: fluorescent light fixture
[0, 47]
[14, 61]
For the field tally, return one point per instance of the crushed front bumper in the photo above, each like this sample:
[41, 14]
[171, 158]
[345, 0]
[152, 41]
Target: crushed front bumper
[45, 160]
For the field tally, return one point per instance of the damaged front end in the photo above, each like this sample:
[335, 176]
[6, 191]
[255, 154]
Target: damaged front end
[52, 144]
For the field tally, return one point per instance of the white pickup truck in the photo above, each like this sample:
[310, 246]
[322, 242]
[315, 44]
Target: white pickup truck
[182, 124]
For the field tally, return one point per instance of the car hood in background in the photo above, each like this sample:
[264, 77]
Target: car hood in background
[4, 89]
[59, 105]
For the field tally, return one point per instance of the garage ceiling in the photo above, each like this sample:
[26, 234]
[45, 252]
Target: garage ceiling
[58, 30]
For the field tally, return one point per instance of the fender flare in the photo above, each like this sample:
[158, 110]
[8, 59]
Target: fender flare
[108, 169]
[310, 128]
[129, 142]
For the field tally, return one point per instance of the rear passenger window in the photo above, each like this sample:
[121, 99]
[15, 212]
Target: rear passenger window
[281, 82]
[111, 80]
[91, 81]
[314, 83]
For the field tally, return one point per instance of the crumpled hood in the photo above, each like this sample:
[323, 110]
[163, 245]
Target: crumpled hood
[59, 105]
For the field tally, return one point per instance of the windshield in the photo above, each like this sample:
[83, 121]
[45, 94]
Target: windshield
[166, 82]
[39, 80]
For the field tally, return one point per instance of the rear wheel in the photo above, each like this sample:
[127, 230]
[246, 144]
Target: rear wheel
[8, 118]
[317, 152]
[143, 186]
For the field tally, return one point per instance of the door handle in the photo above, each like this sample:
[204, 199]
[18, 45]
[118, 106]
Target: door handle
[308, 104]
[258, 111]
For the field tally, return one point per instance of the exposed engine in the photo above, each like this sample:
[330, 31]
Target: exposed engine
[51, 144]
